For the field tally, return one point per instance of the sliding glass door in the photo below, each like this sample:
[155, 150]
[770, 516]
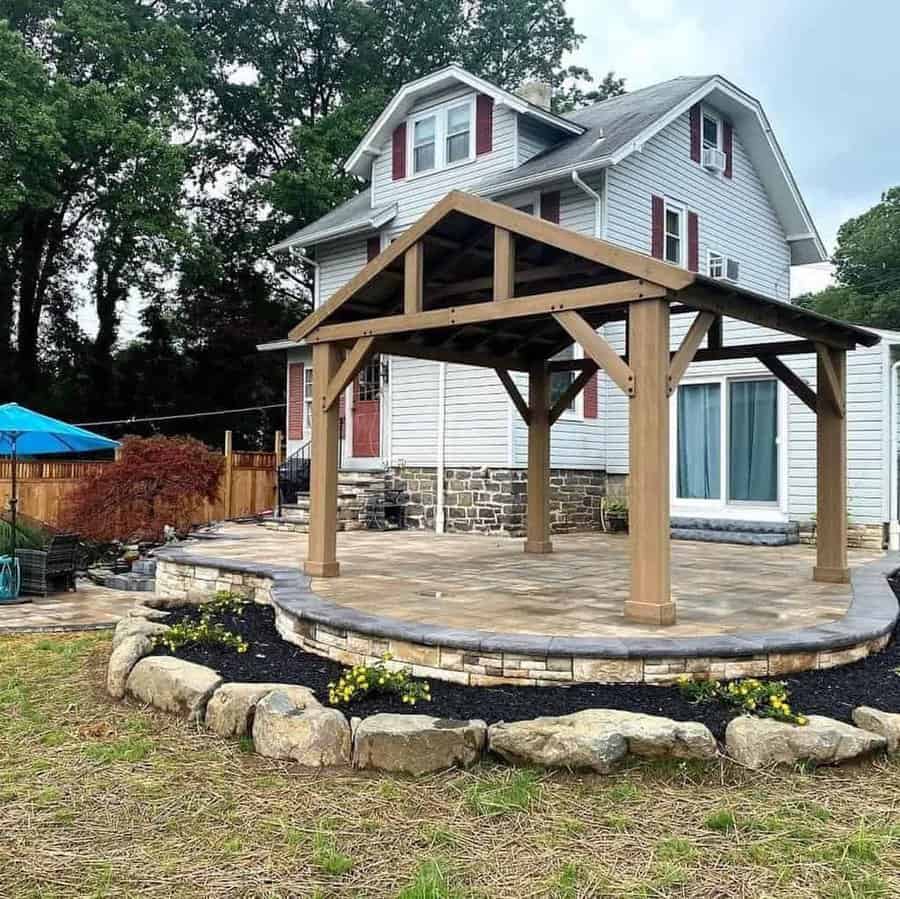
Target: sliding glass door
[726, 444]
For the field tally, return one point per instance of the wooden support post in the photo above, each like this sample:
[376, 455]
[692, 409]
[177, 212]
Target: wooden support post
[538, 509]
[504, 264]
[322, 557]
[650, 601]
[831, 468]
[228, 488]
[413, 268]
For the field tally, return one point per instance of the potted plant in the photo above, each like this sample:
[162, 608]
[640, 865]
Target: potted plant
[614, 514]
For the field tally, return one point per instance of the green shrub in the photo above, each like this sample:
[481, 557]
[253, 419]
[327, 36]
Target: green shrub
[765, 699]
[207, 631]
[364, 680]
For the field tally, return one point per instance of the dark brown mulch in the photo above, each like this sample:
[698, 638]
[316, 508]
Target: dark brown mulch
[834, 692]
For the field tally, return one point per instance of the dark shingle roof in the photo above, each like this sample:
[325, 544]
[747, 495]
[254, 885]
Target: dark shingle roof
[611, 124]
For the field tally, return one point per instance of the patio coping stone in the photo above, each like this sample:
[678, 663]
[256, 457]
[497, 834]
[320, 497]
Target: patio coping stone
[871, 614]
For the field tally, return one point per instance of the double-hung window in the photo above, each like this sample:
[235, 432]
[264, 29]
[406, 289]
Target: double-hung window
[712, 131]
[442, 136]
[424, 156]
[673, 233]
[716, 265]
[307, 398]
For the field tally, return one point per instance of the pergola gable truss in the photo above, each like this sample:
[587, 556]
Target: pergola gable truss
[536, 290]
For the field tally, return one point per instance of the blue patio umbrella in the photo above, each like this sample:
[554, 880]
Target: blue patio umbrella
[27, 433]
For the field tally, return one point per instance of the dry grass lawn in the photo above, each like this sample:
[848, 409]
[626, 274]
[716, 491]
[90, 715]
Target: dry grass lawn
[110, 800]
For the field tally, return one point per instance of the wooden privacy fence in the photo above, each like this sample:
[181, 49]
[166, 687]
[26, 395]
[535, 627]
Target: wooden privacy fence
[247, 486]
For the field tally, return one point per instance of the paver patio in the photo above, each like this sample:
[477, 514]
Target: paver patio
[89, 607]
[578, 590]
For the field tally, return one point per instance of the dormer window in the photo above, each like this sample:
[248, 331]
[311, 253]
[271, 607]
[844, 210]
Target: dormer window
[712, 131]
[442, 136]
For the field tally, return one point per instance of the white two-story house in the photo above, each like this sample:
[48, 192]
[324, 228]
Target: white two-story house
[688, 171]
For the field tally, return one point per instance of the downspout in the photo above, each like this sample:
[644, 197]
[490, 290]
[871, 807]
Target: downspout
[441, 429]
[894, 524]
[598, 200]
[315, 266]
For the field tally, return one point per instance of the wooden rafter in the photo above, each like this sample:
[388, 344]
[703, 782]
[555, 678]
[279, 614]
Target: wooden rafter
[517, 399]
[350, 367]
[545, 303]
[568, 395]
[596, 348]
[523, 276]
[831, 388]
[753, 350]
[455, 357]
[689, 346]
[791, 380]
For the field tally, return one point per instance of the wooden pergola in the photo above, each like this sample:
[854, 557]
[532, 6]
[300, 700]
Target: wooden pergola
[478, 283]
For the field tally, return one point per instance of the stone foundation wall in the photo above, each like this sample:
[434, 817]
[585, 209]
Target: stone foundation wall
[859, 536]
[493, 500]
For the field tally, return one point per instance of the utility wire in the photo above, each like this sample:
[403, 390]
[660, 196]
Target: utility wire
[133, 421]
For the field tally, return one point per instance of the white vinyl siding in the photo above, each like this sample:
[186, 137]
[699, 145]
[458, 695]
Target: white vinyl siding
[534, 138]
[736, 218]
[339, 261]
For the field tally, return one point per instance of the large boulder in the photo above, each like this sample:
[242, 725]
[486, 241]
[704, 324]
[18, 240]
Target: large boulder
[761, 742]
[122, 659]
[417, 744]
[136, 626]
[885, 723]
[596, 739]
[311, 735]
[173, 685]
[230, 711]
[139, 610]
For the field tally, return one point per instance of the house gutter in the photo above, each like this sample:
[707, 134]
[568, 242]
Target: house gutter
[439, 527]
[599, 228]
[893, 524]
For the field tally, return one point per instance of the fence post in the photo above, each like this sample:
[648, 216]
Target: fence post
[229, 473]
[279, 458]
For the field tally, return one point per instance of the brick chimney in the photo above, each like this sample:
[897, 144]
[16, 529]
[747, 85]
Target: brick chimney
[537, 93]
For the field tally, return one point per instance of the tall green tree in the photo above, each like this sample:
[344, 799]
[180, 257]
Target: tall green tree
[866, 268]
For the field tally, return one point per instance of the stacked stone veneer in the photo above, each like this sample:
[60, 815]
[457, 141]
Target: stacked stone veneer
[480, 658]
[859, 536]
[493, 500]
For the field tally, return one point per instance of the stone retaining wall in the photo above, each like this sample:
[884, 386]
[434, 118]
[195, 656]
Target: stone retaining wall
[481, 658]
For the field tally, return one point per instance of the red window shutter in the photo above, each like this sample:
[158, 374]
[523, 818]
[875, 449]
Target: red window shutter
[728, 147]
[295, 401]
[484, 124]
[657, 208]
[693, 235]
[373, 248]
[399, 153]
[590, 397]
[695, 132]
[550, 206]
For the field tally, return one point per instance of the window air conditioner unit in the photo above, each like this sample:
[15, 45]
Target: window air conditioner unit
[713, 159]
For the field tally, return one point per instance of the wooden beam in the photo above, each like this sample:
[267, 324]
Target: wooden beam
[596, 348]
[504, 265]
[650, 601]
[569, 394]
[755, 350]
[538, 504]
[513, 391]
[764, 312]
[355, 360]
[571, 364]
[413, 281]
[828, 382]
[791, 380]
[522, 276]
[580, 298]
[453, 356]
[831, 470]
[321, 560]
[714, 338]
[689, 346]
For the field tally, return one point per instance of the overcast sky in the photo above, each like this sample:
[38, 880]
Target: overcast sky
[827, 72]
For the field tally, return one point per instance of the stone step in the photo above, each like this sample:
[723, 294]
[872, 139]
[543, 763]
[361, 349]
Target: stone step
[741, 526]
[146, 567]
[742, 538]
[131, 581]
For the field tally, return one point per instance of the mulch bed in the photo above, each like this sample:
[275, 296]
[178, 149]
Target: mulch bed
[835, 692]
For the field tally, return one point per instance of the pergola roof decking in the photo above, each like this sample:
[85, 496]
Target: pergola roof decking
[479, 283]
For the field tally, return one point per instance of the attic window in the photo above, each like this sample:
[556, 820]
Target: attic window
[459, 126]
[442, 136]
[712, 132]
[423, 144]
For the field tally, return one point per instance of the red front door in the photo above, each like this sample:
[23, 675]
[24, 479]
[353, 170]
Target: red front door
[367, 411]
